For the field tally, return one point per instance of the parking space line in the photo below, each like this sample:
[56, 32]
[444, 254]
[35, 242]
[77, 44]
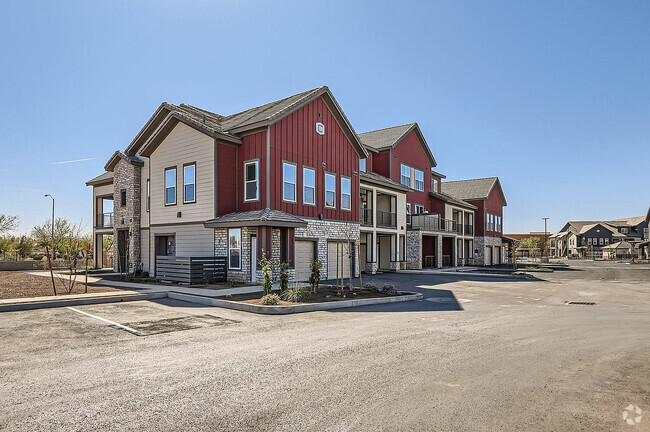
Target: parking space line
[129, 329]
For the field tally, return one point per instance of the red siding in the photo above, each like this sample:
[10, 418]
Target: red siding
[226, 179]
[437, 206]
[381, 164]
[479, 216]
[492, 205]
[252, 147]
[410, 152]
[294, 139]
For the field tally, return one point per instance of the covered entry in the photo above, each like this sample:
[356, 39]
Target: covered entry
[304, 255]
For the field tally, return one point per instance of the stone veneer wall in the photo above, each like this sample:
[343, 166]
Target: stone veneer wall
[414, 250]
[325, 230]
[480, 242]
[127, 177]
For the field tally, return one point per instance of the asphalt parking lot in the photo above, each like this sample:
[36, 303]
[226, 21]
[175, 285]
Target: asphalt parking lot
[476, 354]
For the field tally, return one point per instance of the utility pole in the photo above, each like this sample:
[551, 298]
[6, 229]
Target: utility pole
[53, 254]
[545, 238]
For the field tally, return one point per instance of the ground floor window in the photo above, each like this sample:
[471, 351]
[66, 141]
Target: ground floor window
[234, 248]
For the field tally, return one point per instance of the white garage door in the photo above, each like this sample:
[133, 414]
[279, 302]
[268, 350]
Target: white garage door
[488, 255]
[332, 260]
[304, 255]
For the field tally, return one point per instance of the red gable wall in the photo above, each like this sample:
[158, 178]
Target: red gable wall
[252, 147]
[410, 152]
[294, 139]
[226, 179]
[492, 205]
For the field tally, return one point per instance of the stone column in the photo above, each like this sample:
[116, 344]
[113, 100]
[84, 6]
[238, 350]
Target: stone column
[439, 251]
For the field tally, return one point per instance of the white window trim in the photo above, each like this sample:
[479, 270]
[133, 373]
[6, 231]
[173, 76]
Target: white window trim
[295, 184]
[328, 190]
[408, 212]
[415, 179]
[255, 162]
[401, 174]
[304, 185]
[148, 195]
[239, 249]
[343, 193]
[169, 187]
[193, 164]
[365, 164]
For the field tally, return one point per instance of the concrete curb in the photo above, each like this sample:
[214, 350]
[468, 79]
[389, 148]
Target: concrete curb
[283, 310]
[468, 273]
[30, 304]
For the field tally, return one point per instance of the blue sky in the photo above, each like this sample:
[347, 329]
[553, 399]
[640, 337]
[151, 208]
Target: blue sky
[553, 97]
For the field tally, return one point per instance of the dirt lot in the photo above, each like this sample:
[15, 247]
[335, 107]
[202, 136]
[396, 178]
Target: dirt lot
[19, 284]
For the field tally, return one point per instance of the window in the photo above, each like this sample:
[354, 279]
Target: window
[362, 164]
[419, 209]
[346, 193]
[330, 190]
[489, 227]
[189, 183]
[601, 241]
[251, 181]
[288, 182]
[170, 186]
[123, 198]
[589, 240]
[234, 248]
[308, 186]
[624, 231]
[434, 184]
[419, 180]
[148, 195]
[606, 241]
[408, 212]
[405, 177]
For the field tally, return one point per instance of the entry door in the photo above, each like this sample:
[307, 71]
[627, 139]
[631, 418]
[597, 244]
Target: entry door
[253, 258]
[488, 255]
[123, 251]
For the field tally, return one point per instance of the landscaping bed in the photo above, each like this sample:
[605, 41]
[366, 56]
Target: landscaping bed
[18, 284]
[325, 293]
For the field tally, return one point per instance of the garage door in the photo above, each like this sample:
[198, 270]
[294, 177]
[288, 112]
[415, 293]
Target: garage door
[332, 259]
[488, 255]
[304, 255]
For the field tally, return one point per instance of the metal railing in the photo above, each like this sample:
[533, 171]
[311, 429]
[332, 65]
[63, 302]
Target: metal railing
[429, 222]
[469, 229]
[386, 219]
[105, 220]
[365, 216]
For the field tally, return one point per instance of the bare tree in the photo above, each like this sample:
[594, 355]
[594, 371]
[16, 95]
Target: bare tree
[8, 223]
[73, 247]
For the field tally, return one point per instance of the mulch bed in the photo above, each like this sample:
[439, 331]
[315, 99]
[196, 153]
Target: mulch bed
[324, 294]
[18, 284]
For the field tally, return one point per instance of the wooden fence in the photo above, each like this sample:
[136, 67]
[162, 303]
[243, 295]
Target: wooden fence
[191, 270]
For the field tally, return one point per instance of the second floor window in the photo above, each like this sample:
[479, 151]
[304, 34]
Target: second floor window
[362, 164]
[189, 183]
[434, 184]
[330, 190]
[408, 212]
[288, 182]
[346, 193]
[405, 175]
[419, 209]
[251, 181]
[624, 231]
[123, 198]
[308, 186]
[419, 180]
[148, 195]
[170, 186]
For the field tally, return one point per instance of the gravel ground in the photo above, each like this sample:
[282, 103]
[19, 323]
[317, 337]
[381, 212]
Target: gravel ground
[474, 355]
[19, 284]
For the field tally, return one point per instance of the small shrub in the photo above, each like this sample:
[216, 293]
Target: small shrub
[370, 287]
[284, 276]
[266, 271]
[270, 299]
[294, 295]
[314, 277]
[228, 295]
[389, 289]
[37, 257]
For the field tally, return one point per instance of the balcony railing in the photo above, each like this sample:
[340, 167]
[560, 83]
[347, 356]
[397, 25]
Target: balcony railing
[105, 220]
[469, 229]
[386, 219]
[365, 216]
[430, 222]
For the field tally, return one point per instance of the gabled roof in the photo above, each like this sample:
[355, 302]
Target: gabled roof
[388, 138]
[133, 160]
[587, 227]
[647, 216]
[437, 174]
[265, 217]
[474, 189]
[627, 222]
[106, 178]
[618, 245]
[452, 200]
[380, 180]
[229, 127]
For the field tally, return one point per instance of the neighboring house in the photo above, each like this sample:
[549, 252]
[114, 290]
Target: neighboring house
[538, 252]
[279, 179]
[644, 245]
[486, 194]
[439, 226]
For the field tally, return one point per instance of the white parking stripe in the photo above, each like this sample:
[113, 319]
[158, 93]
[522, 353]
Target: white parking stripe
[129, 329]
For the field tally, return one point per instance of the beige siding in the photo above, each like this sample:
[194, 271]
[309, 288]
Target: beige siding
[144, 219]
[183, 145]
[191, 240]
[144, 253]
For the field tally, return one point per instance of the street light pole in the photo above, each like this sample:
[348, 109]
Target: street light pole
[48, 195]
[545, 238]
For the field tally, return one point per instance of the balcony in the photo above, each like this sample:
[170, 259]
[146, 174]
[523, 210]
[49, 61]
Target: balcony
[469, 229]
[105, 220]
[429, 222]
[386, 219]
[365, 216]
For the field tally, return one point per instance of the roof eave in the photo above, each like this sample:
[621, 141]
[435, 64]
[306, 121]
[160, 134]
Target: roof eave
[249, 223]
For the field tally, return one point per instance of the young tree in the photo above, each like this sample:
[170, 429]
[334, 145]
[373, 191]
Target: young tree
[8, 223]
[42, 234]
[530, 243]
[24, 246]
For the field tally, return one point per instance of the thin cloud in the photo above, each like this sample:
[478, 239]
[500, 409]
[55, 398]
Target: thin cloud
[72, 161]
